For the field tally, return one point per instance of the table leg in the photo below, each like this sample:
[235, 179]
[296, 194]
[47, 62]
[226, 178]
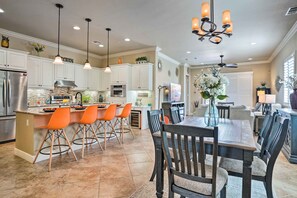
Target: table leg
[257, 125]
[160, 169]
[247, 174]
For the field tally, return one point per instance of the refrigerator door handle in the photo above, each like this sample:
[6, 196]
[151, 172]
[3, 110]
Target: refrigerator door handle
[9, 92]
[4, 93]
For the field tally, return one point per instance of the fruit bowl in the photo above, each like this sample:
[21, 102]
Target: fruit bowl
[79, 107]
[101, 105]
[49, 109]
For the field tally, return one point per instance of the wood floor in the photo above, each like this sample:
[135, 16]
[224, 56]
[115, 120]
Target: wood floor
[116, 172]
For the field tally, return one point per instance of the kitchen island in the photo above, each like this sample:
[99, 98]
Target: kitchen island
[29, 134]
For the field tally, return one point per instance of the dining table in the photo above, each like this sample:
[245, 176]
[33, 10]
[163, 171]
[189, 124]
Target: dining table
[235, 140]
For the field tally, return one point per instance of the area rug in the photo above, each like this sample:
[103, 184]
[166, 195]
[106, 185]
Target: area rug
[148, 190]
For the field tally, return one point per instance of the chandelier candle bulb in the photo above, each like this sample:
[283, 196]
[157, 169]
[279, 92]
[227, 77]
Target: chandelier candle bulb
[226, 17]
[205, 10]
[195, 24]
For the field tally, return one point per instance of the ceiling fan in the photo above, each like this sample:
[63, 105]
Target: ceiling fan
[231, 65]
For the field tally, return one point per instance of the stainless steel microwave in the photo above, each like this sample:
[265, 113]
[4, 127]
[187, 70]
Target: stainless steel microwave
[118, 91]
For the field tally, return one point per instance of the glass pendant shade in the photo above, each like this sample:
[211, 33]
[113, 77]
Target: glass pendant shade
[107, 69]
[205, 10]
[87, 66]
[195, 24]
[226, 17]
[58, 60]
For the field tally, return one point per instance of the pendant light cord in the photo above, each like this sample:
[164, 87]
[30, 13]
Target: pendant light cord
[108, 30]
[59, 32]
[88, 41]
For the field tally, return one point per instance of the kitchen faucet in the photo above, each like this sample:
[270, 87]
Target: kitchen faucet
[78, 93]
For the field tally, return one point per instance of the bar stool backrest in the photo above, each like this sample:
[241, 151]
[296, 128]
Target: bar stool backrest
[110, 112]
[127, 110]
[90, 115]
[59, 119]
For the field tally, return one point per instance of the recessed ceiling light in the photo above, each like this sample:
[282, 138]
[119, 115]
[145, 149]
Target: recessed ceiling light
[127, 39]
[250, 59]
[188, 52]
[1, 11]
[253, 43]
[101, 45]
[76, 27]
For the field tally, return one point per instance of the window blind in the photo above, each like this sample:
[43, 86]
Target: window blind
[288, 71]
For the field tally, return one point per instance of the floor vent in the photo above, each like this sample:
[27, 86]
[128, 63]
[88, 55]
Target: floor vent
[291, 11]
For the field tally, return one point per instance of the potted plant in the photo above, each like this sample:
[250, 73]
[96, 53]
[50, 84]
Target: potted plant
[142, 59]
[38, 48]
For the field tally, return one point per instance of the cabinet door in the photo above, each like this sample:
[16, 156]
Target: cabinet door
[47, 74]
[69, 73]
[135, 79]
[146, 77]
[81, 77]
[105, 81]
[114, 76]
[34, 72]
[93, 79]
[2, 58]
[123, 75]
[16, 60]
[59, 72]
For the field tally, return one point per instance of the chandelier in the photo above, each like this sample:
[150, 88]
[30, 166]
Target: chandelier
[208, 28]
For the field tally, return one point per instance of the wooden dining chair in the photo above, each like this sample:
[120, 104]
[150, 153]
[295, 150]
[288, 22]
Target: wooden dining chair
[188, 174]
[262, 167]
[174, 115]
[224, 111]
[154, 117]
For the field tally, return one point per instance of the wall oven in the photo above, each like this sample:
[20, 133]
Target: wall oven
[118, 91]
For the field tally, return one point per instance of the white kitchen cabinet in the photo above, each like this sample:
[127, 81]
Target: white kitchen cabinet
[142, 77]
[40, 73]
[64, 71]
[81, 77]
[94, 79]
[104, 81]
[120, 74]
[13, 59]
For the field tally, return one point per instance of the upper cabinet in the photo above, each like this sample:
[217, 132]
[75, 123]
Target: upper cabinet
[40, 73]
[81, 77]
[104, 81]
[94, 79]
[12, 59]
[65, 71]
[120, 74]
[142, 77]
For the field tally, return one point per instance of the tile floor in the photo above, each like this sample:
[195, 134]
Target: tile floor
[116, 172]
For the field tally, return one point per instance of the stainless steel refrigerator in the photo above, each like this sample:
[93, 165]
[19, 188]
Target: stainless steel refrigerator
[13, 96]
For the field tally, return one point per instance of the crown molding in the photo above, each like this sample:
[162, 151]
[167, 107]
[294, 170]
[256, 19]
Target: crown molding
[243, 63]
[150, 49]
[44, 42]
[162, 55]
[285, 40]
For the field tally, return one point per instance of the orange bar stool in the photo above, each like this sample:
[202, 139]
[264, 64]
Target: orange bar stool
[106, 121]
[55, 130]
[123, 120]
[84, 126]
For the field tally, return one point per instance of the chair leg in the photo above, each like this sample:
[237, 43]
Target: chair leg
[130, 128]
[104, 127]
[83, 141]
[51, 151]
[64, 133]
[44, 140]
[122, 130]
[59, 143]
[76, 132]
[96, 137]
[223, 192]
[268, 188]
[112, 130]
[153, 173]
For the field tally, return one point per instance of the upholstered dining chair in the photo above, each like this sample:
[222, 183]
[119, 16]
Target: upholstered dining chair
[174, 115]
[154, 117]
[262, 167]
[224, 111]
[188, 173]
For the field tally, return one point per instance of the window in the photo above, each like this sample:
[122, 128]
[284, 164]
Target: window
[288, 71]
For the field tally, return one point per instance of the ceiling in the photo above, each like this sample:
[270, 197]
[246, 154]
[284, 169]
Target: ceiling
[166, 24]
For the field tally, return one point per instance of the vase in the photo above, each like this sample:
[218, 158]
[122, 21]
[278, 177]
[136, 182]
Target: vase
[211, 116]
[293, 99]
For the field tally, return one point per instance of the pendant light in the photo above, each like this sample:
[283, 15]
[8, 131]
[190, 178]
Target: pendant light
[87, 64]
[58, 58]
[107, 69]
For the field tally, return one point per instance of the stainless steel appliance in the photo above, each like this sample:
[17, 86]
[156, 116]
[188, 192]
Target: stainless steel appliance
[65, 84]
[13, 96]
[58, 99]
[118, 91]
[135, 118]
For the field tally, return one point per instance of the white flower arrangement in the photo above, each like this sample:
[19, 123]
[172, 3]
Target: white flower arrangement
[291, 82]
[211, 84]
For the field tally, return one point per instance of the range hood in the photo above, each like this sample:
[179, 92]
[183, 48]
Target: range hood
[65, 83]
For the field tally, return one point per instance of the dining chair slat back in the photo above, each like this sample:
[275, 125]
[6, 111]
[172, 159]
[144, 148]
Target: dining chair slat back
[224, 111]
[174, 115]
[265, 127]
[186, 159]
